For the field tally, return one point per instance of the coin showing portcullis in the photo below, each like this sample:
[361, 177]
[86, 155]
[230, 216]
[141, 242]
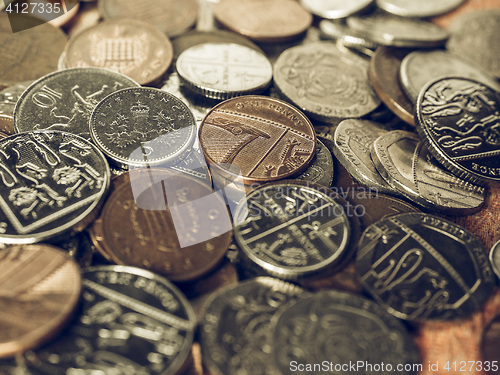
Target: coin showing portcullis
[458, 119]
[51, 184]
[421, 267]
[257, 139]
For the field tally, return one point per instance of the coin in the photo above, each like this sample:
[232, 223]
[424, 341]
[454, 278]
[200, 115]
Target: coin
[469, 6]
[321, 169]
[40, 286]
[257, 139]
[166, 222]
[171, 17]
[6, 124]
[52, 183]
[142, 126]
[426, 8]
[235, 335]
[65, 99]
[495, 258]
[9, 97]
[268, 21]
[87, 16]
[422, 267]
[224, 70]
[347, 329]
[489, 342]
[332, 9]
[29, 54]
[457, 119]
[131, 321]
[134, 48]
[338, 30]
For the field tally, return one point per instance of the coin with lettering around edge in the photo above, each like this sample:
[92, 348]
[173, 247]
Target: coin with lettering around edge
[40, 287]
[321, 170]
[421, 267]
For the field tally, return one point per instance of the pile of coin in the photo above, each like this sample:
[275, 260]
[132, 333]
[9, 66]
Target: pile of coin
[243, 186]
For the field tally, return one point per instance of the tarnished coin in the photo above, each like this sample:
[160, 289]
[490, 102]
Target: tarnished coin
[28, 54]
[422, 8]
[170, 16]
[6, 124]
[257, 139]
[421, 267]
[495, 258]
[458, 121]
[224, 70]
[268, 21]
[332, 9]
[474, 36]
[132, 321]
[39, 286]
[136, 49]
[51, 183]
[10, 95]
[235, 335]
[326, 82]
[64, 100]
[490, 340]
[321, 169]
[351, 331]
[166, 222]
[142, 126]
[421, 67]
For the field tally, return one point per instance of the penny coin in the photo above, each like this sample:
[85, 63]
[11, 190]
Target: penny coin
[257, 139]
[425, 8]
[332, 9]
[224, 70]
[495, 258]
[166, 222]
[458, 121]
[171, 17]
[87, 16]
[346, 329]
[40, 286]
[268, 21]
[321, 169]
[235, 332]
[326, 82]
[136, 49]
[65, 99]
[142, 126]
[9, 97]
[474, 36]
[422, 267]
[384, 76]
[29, 54]
[6, 124]
[489, 344]
[51, 184]
[131, 321]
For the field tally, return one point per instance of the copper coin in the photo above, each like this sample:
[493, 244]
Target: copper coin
[469, 6]
[182, 239]
[384, 76]
[88, 16]
[6, 124]
[257, 139]
[489, 346]
[268, 21]
[29, 54]
[39, 288]
[130, 47]
[172, 17]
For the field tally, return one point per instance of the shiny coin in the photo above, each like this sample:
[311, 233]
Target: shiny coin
[166, 222]
[338, 30]
[334, 8]
[224, 70]
[257, 139]
[131, 321]
[51, 183]
[235, 331]
[423, 8]
[268, 21]
[421, 267]
[343, 327]
[40, 286]
[321, 169]
[458, 121]
[134, 48]
[6, 124]
[10, 95]
[490, 340]
[326, 82]
[64, 100]
[495, 258]
[142, 127]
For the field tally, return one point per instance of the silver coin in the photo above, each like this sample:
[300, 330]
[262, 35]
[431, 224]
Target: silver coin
[338, 30]
[421, 8]
[61, 63]
[332, 9]
[326, 82]
[495, 258]
[420, 67]
[320, 170]
[51, 184]
[64, 100]
[224, 70]
[10, 95]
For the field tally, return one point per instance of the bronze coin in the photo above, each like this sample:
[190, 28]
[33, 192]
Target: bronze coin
[130, 47]
[257, 139]
[39, 289]
[182, 239]
[384, 76]
[6, 124]
[469, 6]
[490, 341]
[88, 15]
[268, 21]
[29, 54]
